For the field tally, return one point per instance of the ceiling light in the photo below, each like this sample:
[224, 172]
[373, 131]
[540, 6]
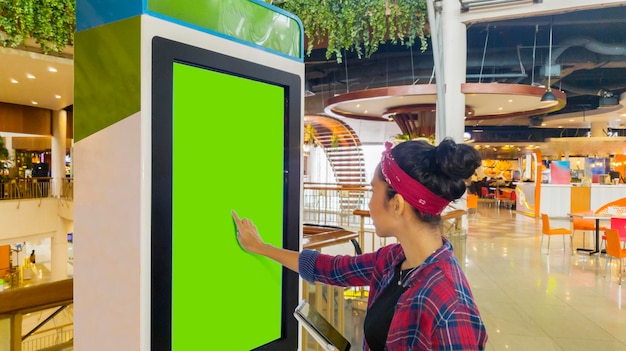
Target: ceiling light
[30, 76]
[571, 120]
[34, 102]
[510, 100]
[52, 69]
[548, 96]
[57, 96]
[14, 81]
[543, 124]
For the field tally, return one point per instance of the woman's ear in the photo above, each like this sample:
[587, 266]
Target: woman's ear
[398, 204]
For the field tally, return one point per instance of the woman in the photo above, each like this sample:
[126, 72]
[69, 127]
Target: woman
[419, 297]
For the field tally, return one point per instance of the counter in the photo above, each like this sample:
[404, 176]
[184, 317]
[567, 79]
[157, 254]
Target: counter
[555, 198]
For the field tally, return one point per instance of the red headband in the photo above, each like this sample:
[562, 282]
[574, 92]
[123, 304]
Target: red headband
[411, 190]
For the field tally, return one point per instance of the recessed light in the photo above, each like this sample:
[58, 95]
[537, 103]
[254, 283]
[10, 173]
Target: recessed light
[543, 124]
[500, 109]
[365, 111]
[14, 81]
[34, 102]
[52, 69]
[358, 105]
[30, 76]
[560, 127]
[571, 120]
[510, 100]
[57, 96]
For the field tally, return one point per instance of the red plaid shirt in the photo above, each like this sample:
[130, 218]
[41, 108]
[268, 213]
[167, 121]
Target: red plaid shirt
[436, 312]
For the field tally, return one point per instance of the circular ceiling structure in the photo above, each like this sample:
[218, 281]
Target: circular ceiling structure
[483, 101]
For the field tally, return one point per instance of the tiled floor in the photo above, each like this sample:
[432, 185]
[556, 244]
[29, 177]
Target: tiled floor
[533, 301]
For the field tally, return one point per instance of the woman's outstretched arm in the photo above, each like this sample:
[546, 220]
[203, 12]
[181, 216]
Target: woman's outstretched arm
[250, 240]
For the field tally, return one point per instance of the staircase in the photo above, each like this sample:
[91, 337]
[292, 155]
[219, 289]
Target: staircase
[345, 156]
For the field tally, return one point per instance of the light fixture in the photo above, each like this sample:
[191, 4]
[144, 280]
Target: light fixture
[549, 96]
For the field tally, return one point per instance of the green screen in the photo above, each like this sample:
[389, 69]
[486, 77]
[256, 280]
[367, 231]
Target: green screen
[228, 153]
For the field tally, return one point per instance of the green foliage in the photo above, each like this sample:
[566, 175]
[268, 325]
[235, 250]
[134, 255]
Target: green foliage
[50, 22]
[359, 25]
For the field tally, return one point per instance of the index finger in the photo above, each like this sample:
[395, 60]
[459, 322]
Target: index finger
[235, 216]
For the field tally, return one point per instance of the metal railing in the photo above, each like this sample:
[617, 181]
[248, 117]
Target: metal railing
[50, 340]
[334, 204]
[25, 188]
[35, 188]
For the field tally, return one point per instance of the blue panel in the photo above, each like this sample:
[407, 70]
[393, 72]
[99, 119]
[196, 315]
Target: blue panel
[93, 13]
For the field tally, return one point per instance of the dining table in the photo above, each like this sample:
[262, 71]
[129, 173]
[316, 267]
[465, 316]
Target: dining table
[597, 217]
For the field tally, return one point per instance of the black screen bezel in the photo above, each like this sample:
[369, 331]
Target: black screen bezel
[165, 53]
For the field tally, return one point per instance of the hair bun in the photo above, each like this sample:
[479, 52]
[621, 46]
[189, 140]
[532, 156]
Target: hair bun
[457, 161]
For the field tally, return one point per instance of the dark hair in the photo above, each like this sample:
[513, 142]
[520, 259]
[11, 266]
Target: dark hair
[443, 169]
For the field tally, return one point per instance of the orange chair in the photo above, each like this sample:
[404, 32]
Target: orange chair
[486, 194]
[472, 203]
[585, 225]
[619, 224]
[614, 250]
[546, 230]
[616, 206]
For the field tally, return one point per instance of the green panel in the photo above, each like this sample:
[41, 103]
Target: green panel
[106, 75]
[245, 20]
[206, 144]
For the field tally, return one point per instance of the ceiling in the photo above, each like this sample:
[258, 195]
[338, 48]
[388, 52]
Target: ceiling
[589, 47]
[28, 77]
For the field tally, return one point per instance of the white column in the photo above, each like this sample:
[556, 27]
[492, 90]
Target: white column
[59, 136]
[454, 65]
[8, 143]
[58, 250]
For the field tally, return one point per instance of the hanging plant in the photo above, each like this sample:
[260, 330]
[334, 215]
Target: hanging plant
[309, 135]
[51, 23]
[359, 25]
[334, 140]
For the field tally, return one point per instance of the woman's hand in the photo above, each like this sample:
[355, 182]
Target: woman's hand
[248, 235]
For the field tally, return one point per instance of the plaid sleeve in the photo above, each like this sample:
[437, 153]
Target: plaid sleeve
[461, 330]
[340, 270]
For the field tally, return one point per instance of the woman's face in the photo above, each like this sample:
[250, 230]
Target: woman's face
[380, 209]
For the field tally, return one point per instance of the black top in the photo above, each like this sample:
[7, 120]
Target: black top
[378, 317]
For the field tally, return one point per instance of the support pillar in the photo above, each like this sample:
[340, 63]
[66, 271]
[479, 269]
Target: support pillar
[16, 332]
[597, 129]
[58, 250]
[59, 137]
[454, 45]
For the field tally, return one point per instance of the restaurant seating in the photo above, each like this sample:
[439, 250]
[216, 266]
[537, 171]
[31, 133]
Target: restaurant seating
[618, 224]
[614, 250]
[584, 225]
[547, 230]
[617, 207]
[486, 194]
